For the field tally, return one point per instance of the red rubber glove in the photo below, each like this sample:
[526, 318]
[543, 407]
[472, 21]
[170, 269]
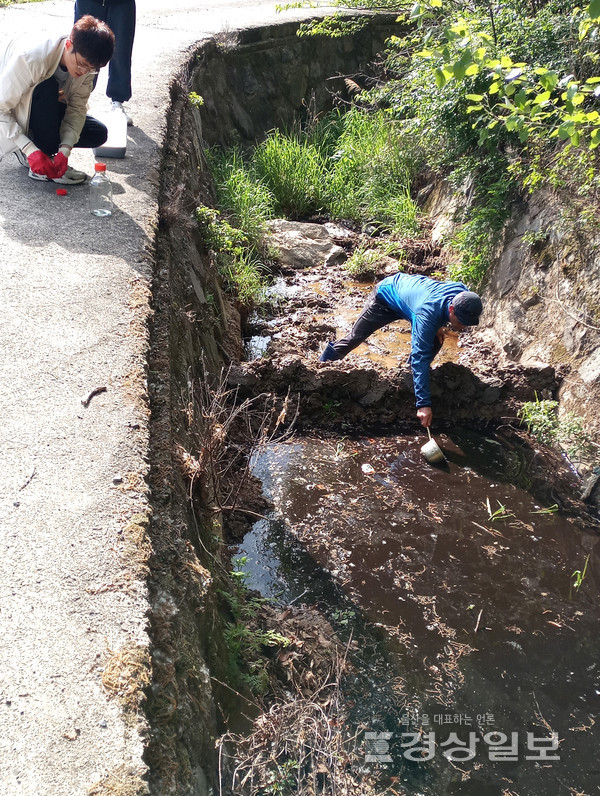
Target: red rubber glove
[41, 164]
[60, 164]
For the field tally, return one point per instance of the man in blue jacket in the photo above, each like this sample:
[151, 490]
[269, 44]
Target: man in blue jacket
[429, 306]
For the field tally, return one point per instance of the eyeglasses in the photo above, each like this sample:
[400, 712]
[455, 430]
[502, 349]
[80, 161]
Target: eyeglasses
[89, 70]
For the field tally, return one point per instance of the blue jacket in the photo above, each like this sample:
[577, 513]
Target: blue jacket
[425, 303]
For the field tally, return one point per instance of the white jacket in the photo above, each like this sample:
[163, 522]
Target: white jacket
[24, 66]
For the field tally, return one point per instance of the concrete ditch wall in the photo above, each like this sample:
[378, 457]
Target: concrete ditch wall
[249, 84]
[270, 77]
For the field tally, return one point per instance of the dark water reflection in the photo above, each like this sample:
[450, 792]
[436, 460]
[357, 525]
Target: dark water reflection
[467, 624]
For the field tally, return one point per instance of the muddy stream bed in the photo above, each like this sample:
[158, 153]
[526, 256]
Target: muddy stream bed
[475, 658]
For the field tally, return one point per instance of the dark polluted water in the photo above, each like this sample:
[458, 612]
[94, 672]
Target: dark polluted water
[478, 668]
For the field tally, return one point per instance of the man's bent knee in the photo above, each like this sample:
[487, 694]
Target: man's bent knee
[93, 135]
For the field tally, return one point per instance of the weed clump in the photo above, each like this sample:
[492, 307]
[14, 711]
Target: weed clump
[301, 742]
[355, 166]
[245, 636]
[238, 262]
[568, 432]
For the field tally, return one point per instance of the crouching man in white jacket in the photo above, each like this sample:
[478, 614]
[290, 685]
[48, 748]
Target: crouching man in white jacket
[44, 91]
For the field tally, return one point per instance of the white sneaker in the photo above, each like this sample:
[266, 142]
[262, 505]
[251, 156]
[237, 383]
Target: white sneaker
[118, 106]
[21, 158]
[70, 177]
[35, 176]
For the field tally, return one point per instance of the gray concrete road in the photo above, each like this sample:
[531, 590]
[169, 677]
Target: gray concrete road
[73, 307]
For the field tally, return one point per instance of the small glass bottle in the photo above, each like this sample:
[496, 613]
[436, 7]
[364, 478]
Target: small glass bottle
[101, 201]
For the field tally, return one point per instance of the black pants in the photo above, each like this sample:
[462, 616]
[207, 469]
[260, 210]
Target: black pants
[46, 116]
[376, 314]
[119, 15]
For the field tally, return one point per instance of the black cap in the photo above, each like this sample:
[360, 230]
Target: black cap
[467, 307]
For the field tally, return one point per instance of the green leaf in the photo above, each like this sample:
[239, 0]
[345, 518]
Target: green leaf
[461, 66]
[593, 80]
[575, 138]
[459, 69]
[549, 80]
[523, 134]
[505, 62]
[594, 9]
[474, 97]
[440, 78]
[494, 88]
[460, 28]
[435, 3]
[473, 108]
[520, 98]
[471, 70]
[566, 130]
[511, 123]
[543, 97]
[416, 11]
[584, 27]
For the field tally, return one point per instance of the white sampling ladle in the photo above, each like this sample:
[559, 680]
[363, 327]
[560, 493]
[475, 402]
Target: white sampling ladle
[432, 451]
